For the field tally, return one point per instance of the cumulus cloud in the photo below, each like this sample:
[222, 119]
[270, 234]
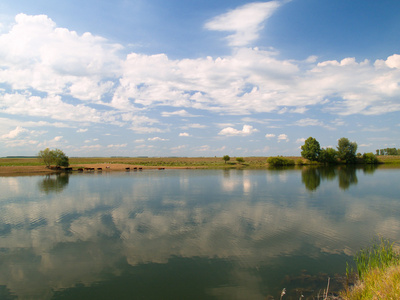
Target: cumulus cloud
[230, 131]
[38, 54]
[283, 137]
[75, 80]
[245, 21]
[14, 133]
[270, 135]
[82, 130]
[184, 134]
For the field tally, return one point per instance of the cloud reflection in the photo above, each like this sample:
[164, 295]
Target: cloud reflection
[247, 218]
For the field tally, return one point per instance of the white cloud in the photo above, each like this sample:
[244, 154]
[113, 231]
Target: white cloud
[180, 113]
[245, 21]
[184, 134]
[14, 133]
[181, 147]
[117, 146]
[283, 137]
[35, 53]
[308, 122]
[300, 141]
[230, 131]
[58, 138]
[269, 135]
[157, 139]
[82, 130]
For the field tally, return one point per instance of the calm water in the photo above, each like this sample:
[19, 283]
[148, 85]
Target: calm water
[188, 234]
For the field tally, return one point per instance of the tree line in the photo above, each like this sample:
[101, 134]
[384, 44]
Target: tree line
[345, 152]
[388, 151]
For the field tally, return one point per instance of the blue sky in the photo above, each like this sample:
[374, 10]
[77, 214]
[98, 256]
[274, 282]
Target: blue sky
[197, 78]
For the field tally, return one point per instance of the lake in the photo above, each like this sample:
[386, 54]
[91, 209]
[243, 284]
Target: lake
[190, 234]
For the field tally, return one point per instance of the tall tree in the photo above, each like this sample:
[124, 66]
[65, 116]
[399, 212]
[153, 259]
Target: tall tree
[347, 150]
[311, 149]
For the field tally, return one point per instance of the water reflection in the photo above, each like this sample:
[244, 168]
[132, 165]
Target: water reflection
[54, 183]
[186, 234]
[346, 175]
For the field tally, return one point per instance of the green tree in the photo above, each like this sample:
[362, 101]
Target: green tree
[347, 150]
[56, 157]
[47, 156]
[240, 160]
[328, 156]
[311, 149]
[370, 158]
[226, 158]
[60, 159]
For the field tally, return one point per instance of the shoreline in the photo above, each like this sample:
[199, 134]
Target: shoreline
[42, 170]
[30, 166]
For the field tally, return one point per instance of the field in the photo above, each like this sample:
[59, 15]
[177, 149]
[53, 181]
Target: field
[34, 165]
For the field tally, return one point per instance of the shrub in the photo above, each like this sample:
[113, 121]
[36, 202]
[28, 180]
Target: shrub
[240, 160]
[370, 158]
[280, 161]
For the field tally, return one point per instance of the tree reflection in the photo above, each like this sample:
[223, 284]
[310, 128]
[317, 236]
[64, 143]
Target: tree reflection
[54, 183]
[347, 175]
[311, 178]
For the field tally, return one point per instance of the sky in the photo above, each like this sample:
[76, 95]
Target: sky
[197, 77]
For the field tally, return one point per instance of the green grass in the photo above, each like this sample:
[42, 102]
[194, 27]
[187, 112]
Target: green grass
[8, 162]
[378, 270]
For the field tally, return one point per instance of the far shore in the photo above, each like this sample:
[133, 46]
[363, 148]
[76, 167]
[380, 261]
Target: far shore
[32, 166]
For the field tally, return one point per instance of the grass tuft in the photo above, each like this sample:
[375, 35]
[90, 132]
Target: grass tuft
[378, 269]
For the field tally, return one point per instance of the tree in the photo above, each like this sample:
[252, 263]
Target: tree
[328, 156]
[347, 150]
[47, 156]
[56, 157]
[226, 158]
[240, 160]
[60, 159]
[370, 158]
[311, 149]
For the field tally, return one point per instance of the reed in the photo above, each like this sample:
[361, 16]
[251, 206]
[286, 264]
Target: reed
[380, 255]
[378, 268]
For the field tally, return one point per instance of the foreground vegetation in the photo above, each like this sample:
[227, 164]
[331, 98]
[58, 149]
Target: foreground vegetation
[378, 270]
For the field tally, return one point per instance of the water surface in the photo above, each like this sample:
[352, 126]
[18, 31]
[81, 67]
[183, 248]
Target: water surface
[188, 234]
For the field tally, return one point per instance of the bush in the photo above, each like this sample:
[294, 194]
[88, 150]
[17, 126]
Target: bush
[328, 156]
[240, 160]
[370, 158]
[280, 161]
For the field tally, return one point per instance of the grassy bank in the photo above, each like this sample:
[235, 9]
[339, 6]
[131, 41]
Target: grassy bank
[378, 271]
